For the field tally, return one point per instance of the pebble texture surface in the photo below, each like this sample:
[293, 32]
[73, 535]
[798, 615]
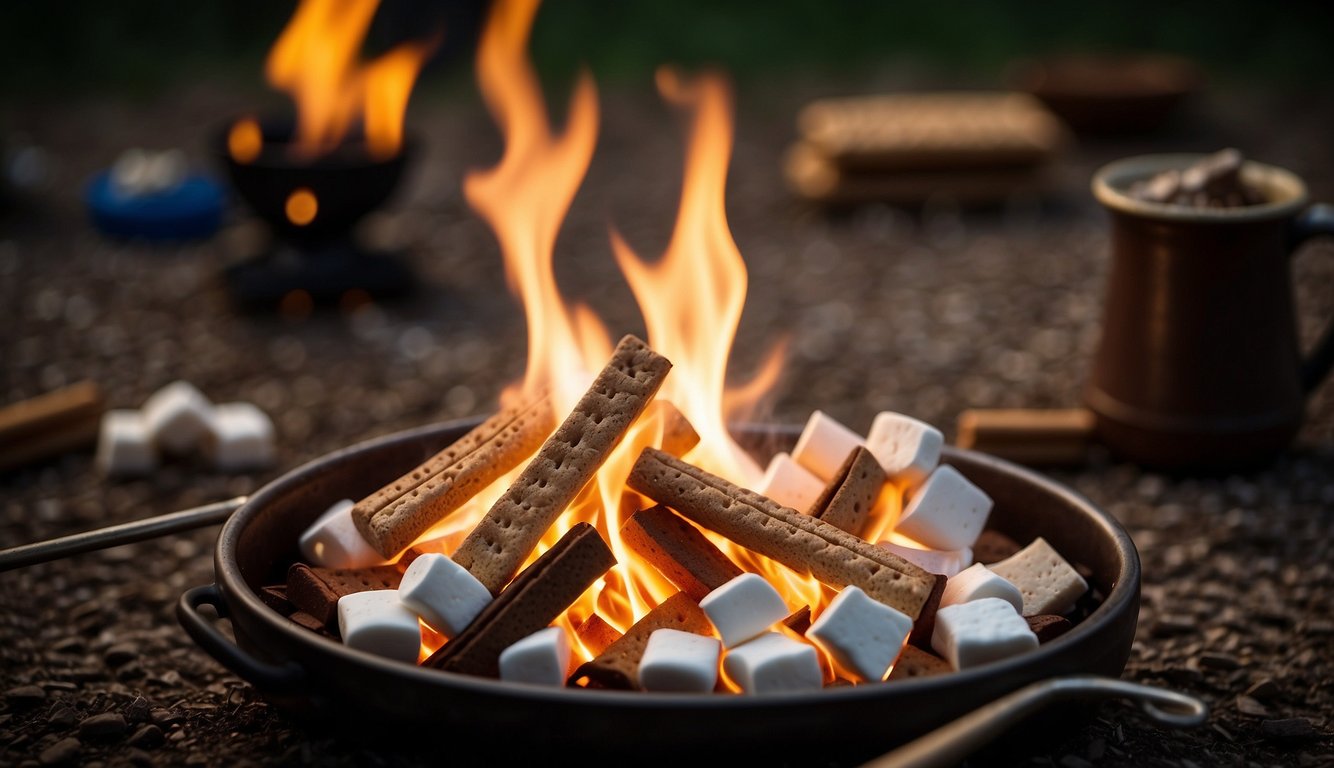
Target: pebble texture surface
[924, 312]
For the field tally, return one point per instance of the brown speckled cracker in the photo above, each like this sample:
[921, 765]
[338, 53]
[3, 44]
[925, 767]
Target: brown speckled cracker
[316, 590]
[847, 500]
[1048, 583]
[801, 542]
[915, 662]
[678, 550]
[618, 665]
[495, 550]
[531, 602]
[678, 434]
[394, 516]
[596, 634]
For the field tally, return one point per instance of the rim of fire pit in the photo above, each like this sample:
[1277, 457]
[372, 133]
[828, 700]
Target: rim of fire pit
[275, 155]
[1123, 592]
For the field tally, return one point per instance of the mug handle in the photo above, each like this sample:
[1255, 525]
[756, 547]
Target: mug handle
[1316, 220]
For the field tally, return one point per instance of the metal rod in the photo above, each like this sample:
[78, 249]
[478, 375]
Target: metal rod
[115, 535]
[950, 744]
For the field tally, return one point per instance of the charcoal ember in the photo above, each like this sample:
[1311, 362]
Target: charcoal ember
[1214, 181]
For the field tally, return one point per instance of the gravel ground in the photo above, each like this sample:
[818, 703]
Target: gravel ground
[926, 312]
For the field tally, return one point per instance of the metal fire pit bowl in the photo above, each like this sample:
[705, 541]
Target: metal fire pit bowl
[335, 690]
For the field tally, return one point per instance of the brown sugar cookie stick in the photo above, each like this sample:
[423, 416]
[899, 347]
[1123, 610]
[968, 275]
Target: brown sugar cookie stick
[847, 500]
[495, 550]
[678, 434]
[678, 550]
[394, 516]
[531, 602]
[618, 665]
[797, 540]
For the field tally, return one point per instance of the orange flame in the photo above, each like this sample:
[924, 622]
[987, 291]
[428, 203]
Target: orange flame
[315, 61]
[691, 298]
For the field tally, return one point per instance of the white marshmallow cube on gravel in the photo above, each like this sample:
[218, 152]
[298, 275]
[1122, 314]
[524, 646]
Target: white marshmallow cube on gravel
[823, 445]
[542, 658]
[377, 622]
[773, 663]
[946, 562]
[908, 449]
[863, 635]
[443, 593]
[1048, 583]
[790, 484]
[333, 541]
[178, 417]
[981, 631]
[976, 582]
[679, 662]
[124, 446]
[744, 607]
[946, 512]
[240, 437]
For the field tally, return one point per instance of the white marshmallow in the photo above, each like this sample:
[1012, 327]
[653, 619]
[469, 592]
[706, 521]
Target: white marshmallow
[907, 449]
[790, 484]
[542, 658]
[863, 635]
[177, 416]
[823, 446]
[680, 662]
[124, 446]
[947, 512]
[946, 562]
[333, 541]
[240, 437]
[443, 593]
[977, 632]
[743, 608]
[1048, 583]
[773, 663]
[377, 622]
[976, 582]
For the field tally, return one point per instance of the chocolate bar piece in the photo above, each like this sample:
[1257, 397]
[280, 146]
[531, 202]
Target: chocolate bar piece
[618, 666]
[495, 550]
[678, 550]
[536, 597]
[316, 590]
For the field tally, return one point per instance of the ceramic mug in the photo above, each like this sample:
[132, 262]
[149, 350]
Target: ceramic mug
[1199, 366]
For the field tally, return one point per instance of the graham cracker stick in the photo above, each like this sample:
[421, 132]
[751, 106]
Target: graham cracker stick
[797, 540]
[915, 662]
[596, 634]
[678, 550]
[394, 516]
[848, 499]
[495, 550]
[618, 665]
[678, 434]
[535, 599]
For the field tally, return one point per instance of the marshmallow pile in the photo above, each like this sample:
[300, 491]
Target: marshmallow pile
[984, 612]
[177, 421]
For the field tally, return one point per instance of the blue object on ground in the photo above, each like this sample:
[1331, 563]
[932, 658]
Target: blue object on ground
[190, 210]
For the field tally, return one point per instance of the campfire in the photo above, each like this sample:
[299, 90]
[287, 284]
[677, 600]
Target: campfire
[314, 177]
[604, 529]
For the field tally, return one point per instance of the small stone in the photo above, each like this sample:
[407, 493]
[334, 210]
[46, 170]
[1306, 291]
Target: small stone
[1248, 706]
[104, 726]
[146, 736]
[68, 645]
[24, 696]
[136, 711]
[1171, 626]
[1183, 675]
[1219, 661]
[62, 716]
[139, 757]
[63, 752]
[120, 654]
[1264, 689]
[1291, 728]
[164, 717]
[1075, 761]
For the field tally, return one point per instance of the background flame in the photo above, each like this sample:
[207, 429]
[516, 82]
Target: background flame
[315, 60]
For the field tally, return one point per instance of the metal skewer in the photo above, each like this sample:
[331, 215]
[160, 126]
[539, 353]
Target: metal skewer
[115, 535]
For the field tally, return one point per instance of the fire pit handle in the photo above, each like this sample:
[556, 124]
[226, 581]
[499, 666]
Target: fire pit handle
[270, 678]
[952, 743]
